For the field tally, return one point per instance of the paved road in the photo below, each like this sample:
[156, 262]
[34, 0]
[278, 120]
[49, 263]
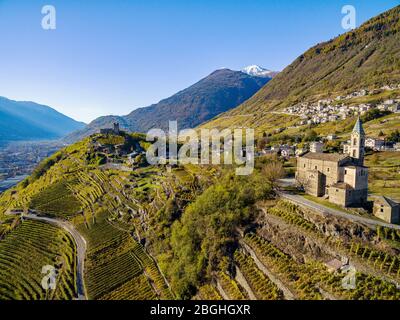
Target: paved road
[329, 211]
[80, 245]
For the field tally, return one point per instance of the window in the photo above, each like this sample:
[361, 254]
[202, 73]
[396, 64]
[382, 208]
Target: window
[327, 169]
[304, 165]
[345, 171]
[382, 210]
[316, 167]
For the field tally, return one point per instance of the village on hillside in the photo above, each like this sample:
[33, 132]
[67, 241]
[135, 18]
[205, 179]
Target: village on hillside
[331, 110]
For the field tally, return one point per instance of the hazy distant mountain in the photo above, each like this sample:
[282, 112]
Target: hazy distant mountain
[222, 90]
[24, 120]
[258, 71]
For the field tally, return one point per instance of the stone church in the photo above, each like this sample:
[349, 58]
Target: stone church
[340, 178]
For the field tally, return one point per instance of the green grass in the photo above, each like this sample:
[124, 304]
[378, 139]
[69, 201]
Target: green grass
[111, 139]
[25, 251]
[384, 174]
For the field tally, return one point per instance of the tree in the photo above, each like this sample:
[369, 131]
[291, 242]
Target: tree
[272, 172]
[310, 135]
[394, 136]
[374, 114]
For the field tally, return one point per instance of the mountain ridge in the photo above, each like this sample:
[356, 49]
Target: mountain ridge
[220, 91]
[28, 120]
[365, 58]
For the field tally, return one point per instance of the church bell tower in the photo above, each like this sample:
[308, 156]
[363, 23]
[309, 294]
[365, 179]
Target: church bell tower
[357, 144]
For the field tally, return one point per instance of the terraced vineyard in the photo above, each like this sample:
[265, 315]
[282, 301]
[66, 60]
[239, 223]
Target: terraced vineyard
[382, 261]
[311, 279]
[207, 292]
[298, 277]
[25, 251]
[105, 277]
[153, 273]
[57, 200]
[108, 205]
[138, 288]
[263, 288]
[116, 264]
[291, 213]
[231, 287]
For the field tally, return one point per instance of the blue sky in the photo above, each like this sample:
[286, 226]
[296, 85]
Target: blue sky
[110, 57]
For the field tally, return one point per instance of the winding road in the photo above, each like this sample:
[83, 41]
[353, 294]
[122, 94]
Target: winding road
[80, 248]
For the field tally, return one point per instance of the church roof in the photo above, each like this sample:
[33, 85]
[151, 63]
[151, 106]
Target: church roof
[336, 157]
[358, 128]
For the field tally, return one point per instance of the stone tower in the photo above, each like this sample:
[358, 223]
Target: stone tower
[357, 143]
[116, 128]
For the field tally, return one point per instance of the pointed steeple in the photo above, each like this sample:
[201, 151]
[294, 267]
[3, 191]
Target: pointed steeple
[357, 144]
[358, 128]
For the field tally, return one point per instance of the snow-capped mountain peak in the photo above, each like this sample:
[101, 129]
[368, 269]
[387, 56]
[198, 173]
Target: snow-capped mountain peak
[258, 71]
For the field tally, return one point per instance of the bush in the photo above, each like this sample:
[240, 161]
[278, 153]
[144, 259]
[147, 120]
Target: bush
[373, 114]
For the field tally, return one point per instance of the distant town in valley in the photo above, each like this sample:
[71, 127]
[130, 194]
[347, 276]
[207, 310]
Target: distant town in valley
[19, 159]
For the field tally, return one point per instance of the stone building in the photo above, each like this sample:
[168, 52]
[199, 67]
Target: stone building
[341, 178]
[387, 210]
[316, 146]
[114, 130]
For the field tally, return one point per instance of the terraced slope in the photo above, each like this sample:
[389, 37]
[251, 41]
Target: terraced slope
[295, 244]
[287, 258]
[112, 208]
[118, 266]
[25, 250]
[365, 58]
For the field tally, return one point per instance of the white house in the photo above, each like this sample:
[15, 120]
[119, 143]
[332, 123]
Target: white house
[375, 144]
